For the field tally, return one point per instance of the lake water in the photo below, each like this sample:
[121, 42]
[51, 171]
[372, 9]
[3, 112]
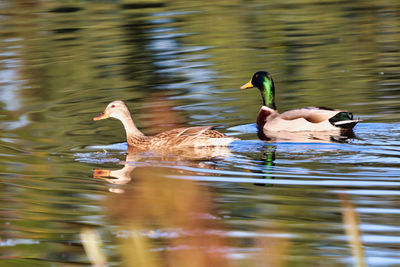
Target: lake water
[306, 202]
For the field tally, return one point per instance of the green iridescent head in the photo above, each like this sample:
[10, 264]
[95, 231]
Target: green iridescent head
[263, 81]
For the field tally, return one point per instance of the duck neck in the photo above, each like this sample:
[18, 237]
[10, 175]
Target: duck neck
[268, 93]
[130, 128]
[123, 175]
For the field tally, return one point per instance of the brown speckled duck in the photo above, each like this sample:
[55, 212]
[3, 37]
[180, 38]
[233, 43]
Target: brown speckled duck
[180, 138]
[296, 120]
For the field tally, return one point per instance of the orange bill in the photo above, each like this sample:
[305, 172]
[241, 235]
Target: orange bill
[102, 116]
[99, 173]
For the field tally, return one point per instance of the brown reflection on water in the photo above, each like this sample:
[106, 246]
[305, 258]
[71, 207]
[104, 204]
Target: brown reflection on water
[183, 209]
[157, 113]
[173, 222]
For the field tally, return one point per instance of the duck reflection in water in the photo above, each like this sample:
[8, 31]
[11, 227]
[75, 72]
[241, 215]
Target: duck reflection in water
[268, 164]
[188, 157]
[306, 137]
[117, 177]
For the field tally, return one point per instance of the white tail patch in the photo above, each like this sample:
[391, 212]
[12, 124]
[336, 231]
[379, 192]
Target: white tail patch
[345, 122]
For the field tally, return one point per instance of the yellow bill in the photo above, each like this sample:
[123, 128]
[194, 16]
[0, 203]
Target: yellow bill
[247, 85]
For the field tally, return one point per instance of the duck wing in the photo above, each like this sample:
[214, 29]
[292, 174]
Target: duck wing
[191, 137]
[313, 114]
[197, 131]
[338, 118]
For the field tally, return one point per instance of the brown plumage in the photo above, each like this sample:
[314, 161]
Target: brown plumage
[179, 138]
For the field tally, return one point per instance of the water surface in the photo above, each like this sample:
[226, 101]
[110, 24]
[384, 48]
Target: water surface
[279, 202]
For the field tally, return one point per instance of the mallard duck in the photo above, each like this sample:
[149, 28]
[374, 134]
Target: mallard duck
[303, 119]
[180, 138]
